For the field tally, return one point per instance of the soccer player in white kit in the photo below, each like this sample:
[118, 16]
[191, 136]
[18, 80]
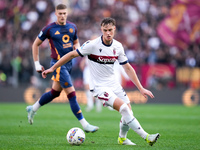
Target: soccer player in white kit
[102, 52]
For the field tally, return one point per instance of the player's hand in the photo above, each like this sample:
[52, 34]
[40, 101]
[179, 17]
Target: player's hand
[39, 68]
[46, 72]
[146, 93]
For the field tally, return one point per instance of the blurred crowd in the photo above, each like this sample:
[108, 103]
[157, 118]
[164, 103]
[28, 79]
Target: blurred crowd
[22, 20]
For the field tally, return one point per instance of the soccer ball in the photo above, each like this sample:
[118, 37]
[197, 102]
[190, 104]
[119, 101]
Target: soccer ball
[75, 136]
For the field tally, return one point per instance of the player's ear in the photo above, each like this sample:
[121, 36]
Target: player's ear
[101, 29]
[67, 12]
[114, 28]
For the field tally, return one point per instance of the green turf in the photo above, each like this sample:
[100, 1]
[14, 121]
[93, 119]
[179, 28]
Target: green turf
[178, 125]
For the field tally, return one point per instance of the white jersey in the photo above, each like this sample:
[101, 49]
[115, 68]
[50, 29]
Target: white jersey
[101, 61]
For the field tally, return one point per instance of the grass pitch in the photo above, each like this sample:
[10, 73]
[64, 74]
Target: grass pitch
[178, 125]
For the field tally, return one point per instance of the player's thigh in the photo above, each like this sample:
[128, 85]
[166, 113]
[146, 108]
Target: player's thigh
[62, 76]
[117, 103]
[56, 86]
[69, 90]
[122, 95]
[108, 97]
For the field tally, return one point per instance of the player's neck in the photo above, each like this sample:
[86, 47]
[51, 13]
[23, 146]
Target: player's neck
[59, 23]
[105, 42]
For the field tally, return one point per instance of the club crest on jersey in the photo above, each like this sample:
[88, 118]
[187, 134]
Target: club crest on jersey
[71, 30]
[106, 94]
[100, 49]
[114, 51]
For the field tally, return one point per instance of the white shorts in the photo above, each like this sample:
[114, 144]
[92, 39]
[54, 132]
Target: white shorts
[107, 95]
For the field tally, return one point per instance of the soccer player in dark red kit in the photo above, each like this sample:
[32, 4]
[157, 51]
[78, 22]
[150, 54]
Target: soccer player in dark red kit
[62, 36]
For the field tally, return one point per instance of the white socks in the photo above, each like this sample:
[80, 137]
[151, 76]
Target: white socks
[83, 122]
[131, 121]
[123, 128]
[36, 106]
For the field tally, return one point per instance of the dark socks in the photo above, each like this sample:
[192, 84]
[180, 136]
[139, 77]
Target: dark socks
[74, 105]
[48, 97]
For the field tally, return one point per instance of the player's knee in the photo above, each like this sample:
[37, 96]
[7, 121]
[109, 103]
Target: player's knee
[124, 108]
[126, 113]
[55, 93]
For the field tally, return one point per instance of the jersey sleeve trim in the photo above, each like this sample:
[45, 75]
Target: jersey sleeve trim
[123, 63]
[79, 53]
[40, 38]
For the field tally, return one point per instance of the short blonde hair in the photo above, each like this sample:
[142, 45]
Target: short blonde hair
[61, 6]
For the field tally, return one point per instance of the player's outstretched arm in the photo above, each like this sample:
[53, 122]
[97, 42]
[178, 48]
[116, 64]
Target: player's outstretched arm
[67, 57]
[133, 76]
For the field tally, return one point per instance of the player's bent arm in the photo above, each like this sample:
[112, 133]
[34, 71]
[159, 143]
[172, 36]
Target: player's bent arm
[35, 49]
[76, 44]
[132, 75]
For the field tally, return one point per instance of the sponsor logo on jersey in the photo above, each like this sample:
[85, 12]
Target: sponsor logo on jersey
[106, 60]
[103, 59]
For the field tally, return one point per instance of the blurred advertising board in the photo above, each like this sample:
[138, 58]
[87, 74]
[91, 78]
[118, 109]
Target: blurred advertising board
[30, 95]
